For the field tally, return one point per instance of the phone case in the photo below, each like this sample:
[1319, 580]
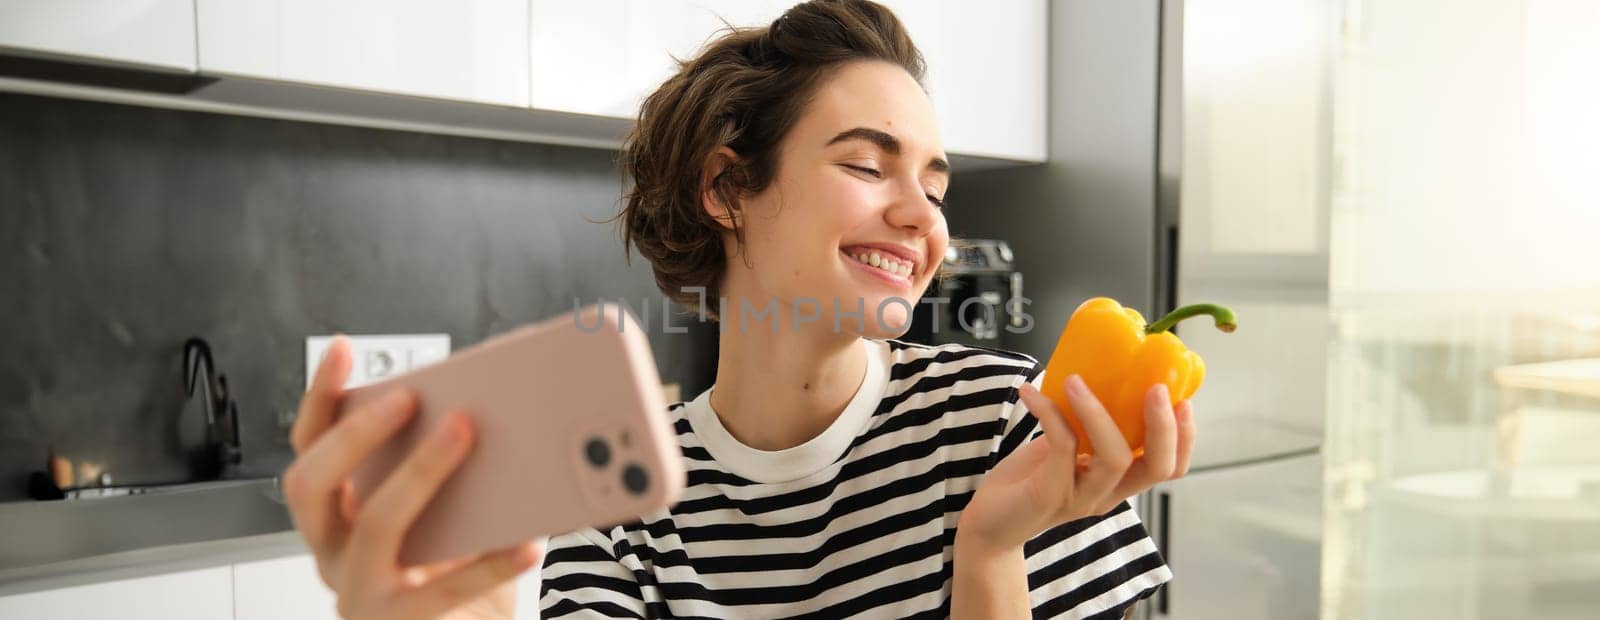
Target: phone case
[571, 431]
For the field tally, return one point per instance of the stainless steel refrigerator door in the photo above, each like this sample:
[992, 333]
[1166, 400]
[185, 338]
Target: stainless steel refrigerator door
[1245, 164]
[1242, 220]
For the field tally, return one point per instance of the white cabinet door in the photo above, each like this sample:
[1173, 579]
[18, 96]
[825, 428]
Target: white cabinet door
[470, 50]
[604, 56]
[290, 588]
[986, 61]
[578, 58]
[158, 33]
[281, 588]
[195, 595]
[989, 77]
[986, 72]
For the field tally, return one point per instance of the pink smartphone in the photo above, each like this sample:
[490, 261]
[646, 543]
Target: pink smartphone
[571, 431]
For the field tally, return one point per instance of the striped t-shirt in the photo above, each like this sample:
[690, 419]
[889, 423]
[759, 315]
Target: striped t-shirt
[859, 520]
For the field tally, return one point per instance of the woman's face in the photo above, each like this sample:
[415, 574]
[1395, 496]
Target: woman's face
[860, 175]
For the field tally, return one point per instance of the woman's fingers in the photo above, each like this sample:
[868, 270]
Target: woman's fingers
[1160, 446]
[1160, 436]
[389, 512]
[476, 579]
[419, 575]
[1063, 442]
[314, 482]
[1183, 416]
[1111, 453]
[320, 402]
[348, 507]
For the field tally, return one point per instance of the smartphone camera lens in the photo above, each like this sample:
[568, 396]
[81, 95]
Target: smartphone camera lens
[635, 479]
[598, 452]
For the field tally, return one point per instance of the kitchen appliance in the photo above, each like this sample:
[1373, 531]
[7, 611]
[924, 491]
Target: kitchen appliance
[974, 300]
[1242, 220]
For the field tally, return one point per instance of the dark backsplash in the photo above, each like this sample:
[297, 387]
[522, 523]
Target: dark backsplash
[126, 230]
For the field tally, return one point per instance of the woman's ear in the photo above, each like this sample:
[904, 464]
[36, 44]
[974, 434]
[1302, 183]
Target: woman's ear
[718, 162]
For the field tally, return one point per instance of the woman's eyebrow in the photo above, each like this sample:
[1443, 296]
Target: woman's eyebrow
[888, 143]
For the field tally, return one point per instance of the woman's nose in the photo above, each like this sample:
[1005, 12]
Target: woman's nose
[912, 210]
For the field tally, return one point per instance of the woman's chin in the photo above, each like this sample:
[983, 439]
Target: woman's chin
[869, 314]
[894, 323]
[882, 318]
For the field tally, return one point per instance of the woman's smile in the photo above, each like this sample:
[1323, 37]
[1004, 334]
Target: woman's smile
[881, 266]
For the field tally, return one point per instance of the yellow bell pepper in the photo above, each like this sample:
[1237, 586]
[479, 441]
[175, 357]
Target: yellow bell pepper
[1120, 359]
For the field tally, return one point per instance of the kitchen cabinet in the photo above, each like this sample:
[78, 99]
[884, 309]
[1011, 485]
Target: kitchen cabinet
[289, 587]
[986, 62]
[469, 50]
[553, 71]
[153, 33]
[987, 73]
[603, 56]
[193, 595]
[286, 587]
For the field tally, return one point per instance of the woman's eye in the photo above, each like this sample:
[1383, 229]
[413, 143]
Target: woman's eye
[865, 170]
[937, 201]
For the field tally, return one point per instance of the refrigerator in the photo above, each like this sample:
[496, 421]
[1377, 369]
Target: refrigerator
[1190, 169]
[1244, 161]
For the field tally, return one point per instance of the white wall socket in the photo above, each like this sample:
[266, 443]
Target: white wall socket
[378, 357]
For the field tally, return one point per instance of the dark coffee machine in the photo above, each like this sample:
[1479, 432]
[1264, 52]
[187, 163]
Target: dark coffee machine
[975, 300]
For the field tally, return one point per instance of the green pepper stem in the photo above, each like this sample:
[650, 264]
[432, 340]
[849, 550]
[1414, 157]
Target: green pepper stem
[1223, 316]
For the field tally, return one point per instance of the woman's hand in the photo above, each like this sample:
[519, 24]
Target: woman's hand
[357, 547]
[1045, 483]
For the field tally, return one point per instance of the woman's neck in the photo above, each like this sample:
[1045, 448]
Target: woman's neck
[777, 389]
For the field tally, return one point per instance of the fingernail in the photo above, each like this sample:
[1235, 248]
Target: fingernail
[1076, 386]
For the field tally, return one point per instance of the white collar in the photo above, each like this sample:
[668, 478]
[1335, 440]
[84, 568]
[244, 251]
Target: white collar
[807, 458]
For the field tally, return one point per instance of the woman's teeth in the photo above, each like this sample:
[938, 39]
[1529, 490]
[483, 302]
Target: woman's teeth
[886, 263]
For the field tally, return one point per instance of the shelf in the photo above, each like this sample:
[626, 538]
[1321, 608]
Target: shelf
[1578, 376]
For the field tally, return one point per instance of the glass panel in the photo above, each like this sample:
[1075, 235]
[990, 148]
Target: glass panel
[1463, 475]
[1254, 83]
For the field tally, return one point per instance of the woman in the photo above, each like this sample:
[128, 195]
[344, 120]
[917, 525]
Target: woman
[795, 171]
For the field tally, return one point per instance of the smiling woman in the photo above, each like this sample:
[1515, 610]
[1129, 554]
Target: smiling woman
[706, 151]
[797, 172]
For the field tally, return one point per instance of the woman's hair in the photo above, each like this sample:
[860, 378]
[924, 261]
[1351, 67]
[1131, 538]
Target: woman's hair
[745, 90]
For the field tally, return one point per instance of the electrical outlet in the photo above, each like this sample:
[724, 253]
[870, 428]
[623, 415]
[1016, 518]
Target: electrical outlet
[378, 357]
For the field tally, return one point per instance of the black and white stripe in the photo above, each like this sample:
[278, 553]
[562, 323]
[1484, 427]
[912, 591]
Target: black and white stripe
[871, 531]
